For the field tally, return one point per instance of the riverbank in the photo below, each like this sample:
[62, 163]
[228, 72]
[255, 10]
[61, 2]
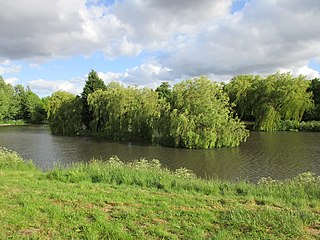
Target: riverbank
[141, 200]
[13, 123]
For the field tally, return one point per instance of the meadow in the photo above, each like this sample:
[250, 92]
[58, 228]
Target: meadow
[143, 200]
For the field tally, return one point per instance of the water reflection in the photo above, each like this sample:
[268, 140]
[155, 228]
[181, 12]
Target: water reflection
[279, 155]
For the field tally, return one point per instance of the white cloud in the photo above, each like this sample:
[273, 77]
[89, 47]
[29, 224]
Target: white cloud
[46, 87]
[11, 81]
[34, 65]
[307, 71]
[265, 36]
[149, 74]
[6, 67]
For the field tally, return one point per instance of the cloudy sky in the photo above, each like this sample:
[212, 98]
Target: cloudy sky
[52, 45]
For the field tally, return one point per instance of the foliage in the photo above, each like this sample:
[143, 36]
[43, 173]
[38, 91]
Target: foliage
[18, 103]
[242, 92]
[33, 109]
[124, 113]
[12, 160]
[8, 103]
[311, 126]
[93, 83]
[313, 114]
[270, 100]
[64, 113]
[164, 91]
[199, 116]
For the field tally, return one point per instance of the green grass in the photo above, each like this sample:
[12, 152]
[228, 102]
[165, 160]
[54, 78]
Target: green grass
[142, 200]
[13, 122]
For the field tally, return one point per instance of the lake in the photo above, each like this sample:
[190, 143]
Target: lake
[279, 155]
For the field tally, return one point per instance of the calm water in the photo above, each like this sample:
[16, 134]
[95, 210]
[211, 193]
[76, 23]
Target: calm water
[279, 155]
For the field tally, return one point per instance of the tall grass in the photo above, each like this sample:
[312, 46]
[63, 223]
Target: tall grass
[12, 160]
[150, 174]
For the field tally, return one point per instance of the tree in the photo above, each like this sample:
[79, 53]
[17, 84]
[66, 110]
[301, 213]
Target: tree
[34, 109]
[270, 100]
[124, 113]
[242, 91]
[92, 84]
[164, 91]
[313, 114]
[64, 113]
[199, 116]
[8, 103]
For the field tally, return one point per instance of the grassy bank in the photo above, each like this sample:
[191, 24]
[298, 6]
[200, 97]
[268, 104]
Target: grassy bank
[13, 122]
[141, 200]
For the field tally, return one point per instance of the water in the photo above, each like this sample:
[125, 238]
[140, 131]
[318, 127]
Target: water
[279, 155]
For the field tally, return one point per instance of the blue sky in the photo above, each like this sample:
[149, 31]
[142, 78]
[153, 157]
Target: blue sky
[140, 42]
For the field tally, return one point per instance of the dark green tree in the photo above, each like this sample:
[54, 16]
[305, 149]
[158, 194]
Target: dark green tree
[164, 91]
[93, 83]
[313, 114]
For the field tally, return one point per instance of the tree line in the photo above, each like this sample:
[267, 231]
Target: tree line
[276, 98]
[195, 113]
[20, 103]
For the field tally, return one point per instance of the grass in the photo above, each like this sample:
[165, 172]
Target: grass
[142, 200]
[13, 122]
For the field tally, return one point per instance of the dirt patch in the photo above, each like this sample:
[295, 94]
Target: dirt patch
[313, 230]
[29, 231]
[159, 220]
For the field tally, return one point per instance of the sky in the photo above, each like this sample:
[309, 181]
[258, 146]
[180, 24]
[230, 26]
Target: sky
[53, 45]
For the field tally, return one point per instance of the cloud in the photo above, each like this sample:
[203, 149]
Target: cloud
[63, 28]
[11, 81]
[307, 71]
[149, 74]
[264, 36]
[6, 67]
[47, 87]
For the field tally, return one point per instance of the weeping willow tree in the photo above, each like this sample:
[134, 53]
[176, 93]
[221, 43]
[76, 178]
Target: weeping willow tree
[124, 113]
[270, 100]
[282, 97]
[64, 113]
[242, 92]
[199, 116]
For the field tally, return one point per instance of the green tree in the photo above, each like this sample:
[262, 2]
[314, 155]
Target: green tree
[124, 113]
[270, 100]
[92, 84]
[20, 95]
[34, 109]
[164, 91]
[199, 116]
[242, 92]
[8, 104]
[64, 113]
[313, 114]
